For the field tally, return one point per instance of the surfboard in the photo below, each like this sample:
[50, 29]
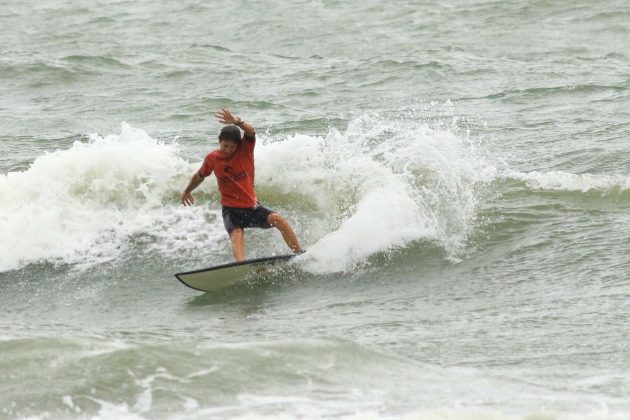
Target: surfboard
[226, 275]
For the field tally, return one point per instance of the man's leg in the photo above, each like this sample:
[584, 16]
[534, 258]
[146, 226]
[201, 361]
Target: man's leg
[237, 237]
[285, 229]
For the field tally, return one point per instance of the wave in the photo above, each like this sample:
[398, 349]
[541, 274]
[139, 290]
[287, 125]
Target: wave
[379, 185]
[64, 69]
[306, 378]
[80, 205]
[37, 69]
[568, 182]
[519, 94]
[94, 62]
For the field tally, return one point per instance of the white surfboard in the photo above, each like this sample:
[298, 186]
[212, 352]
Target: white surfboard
[226, 275]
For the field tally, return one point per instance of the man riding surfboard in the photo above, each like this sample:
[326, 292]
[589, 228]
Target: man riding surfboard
[233, 166]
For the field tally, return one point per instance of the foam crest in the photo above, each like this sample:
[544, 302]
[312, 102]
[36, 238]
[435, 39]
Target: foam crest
[82, 204]
[379, 186]
[564, 181]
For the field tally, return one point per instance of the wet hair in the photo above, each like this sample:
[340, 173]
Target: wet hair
[230, 133]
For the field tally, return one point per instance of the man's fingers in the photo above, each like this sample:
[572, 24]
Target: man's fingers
[188, 200]
[225, 116]
[221, 116]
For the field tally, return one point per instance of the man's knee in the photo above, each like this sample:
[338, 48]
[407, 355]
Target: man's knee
[236, 232]
[276, 220]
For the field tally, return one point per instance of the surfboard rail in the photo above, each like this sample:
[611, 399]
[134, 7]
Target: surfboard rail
[225, 275]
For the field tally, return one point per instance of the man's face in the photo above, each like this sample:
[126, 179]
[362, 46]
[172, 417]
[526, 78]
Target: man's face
[228, 148]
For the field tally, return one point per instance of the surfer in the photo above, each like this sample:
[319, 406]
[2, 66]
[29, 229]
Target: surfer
[233, 166]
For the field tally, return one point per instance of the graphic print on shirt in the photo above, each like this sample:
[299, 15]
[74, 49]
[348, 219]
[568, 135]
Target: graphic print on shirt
[231, 177]
[235, 175]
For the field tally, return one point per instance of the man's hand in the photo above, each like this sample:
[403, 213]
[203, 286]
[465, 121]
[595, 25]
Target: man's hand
[225, 116]
[188, 199]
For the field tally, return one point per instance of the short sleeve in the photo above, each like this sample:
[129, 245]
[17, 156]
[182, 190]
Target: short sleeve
[249, 141]
[206, 167]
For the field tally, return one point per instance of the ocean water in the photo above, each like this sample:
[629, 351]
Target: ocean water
[459, 172]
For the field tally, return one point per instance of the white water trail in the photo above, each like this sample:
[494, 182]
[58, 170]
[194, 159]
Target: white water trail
[381, 185]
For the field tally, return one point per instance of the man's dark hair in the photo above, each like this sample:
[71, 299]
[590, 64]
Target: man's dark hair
[230, 133]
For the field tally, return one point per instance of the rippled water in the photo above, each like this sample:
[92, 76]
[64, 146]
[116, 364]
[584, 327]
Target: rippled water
[457, 171]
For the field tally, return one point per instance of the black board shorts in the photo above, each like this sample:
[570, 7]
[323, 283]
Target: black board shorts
[234, 217]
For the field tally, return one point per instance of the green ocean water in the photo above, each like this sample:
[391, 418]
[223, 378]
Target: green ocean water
[458, 172]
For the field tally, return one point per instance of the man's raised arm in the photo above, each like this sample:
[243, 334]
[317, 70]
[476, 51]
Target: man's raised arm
[225, 116]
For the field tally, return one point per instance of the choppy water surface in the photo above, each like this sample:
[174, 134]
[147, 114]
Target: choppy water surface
[457, 171]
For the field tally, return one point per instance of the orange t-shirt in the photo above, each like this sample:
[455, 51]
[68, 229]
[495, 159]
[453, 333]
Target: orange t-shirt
[235, 175]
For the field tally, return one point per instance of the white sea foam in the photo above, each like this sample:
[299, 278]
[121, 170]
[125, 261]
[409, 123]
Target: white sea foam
[565, 181]
[379, 185]
[82, 204]
[311, 409]
[326, 378]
